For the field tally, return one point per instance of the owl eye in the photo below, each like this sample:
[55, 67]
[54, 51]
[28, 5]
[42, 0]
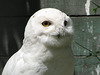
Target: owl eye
[65, 23]
[46, 23]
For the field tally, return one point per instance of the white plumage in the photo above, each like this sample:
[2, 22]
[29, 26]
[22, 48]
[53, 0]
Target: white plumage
[46, 48]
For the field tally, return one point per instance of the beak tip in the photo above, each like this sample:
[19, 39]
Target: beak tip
[58, 35]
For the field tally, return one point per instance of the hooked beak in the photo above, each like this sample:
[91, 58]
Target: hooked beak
[58, 35]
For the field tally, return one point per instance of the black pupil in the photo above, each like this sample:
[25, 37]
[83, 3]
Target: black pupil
[46, 23]
[65, 23]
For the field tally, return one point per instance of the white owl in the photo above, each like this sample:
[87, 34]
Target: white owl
[46, 48]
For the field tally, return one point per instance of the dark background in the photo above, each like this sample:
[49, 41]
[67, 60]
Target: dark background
[14, 15]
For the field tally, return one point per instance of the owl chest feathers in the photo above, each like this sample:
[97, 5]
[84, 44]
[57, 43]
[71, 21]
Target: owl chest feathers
[50, 61]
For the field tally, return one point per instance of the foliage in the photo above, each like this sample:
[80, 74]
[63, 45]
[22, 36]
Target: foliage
[97, 7]
[91, 53]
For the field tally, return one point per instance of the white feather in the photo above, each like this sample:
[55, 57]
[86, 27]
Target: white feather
[45, 50]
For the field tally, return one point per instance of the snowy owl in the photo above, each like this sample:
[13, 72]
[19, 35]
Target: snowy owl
[46, 48]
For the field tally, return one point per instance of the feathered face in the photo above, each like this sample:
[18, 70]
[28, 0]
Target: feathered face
[50, 27]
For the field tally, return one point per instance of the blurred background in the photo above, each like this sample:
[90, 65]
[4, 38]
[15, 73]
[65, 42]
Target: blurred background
[85, 14]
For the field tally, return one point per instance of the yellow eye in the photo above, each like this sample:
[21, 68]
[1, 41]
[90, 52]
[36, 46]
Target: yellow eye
[46, 23]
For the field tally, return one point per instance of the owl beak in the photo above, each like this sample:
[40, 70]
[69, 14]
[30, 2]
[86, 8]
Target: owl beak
[58, 35]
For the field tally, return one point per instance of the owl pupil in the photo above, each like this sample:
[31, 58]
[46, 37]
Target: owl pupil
[65, 23]
[46, 23]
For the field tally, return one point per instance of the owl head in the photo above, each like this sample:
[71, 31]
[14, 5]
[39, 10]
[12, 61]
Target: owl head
[50, 27]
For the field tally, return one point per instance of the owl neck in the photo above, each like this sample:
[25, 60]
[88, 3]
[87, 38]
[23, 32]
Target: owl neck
[43, 54]
[36, 42]
[36, 45]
